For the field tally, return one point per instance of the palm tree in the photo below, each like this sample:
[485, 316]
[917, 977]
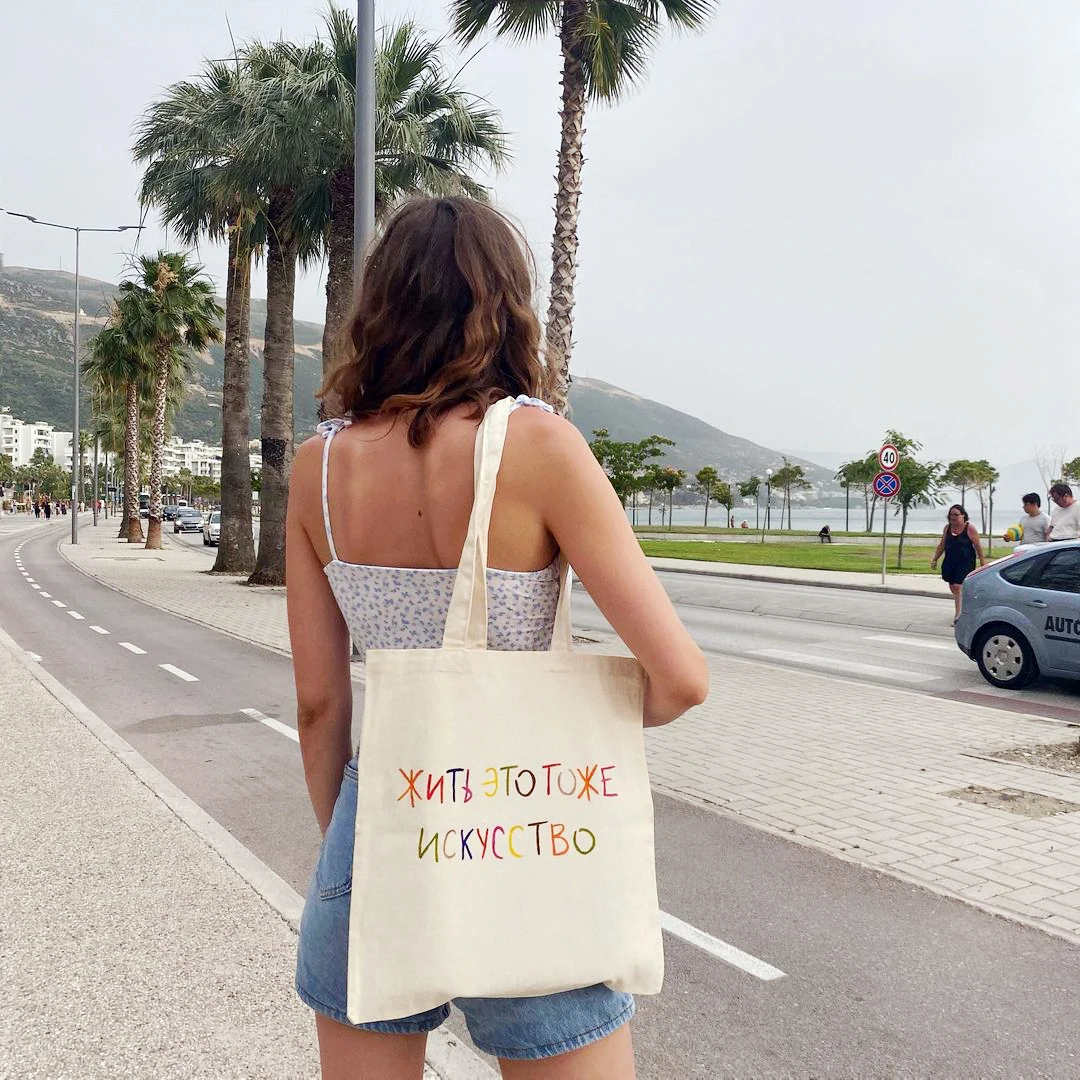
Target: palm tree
[171, 309]
[118, 369]
[431, 135]
[190, 141]
[605, 49]
[275, 157]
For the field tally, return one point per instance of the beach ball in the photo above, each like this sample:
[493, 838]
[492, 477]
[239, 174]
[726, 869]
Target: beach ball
[1014, 533]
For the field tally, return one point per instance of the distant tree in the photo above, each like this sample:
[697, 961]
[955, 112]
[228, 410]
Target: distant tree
[651, 484]
[722, 494]
[707, 478]
[1050, 461]
[1070, 470]
[668, 480]
[7, 469]
[788, 477]
[961, 474]
[920, 483]
[625, 462]
[751, 489]
[860, 474]
[984, 476]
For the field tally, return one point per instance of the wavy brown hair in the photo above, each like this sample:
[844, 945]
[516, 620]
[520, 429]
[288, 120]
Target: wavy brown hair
[444, 317]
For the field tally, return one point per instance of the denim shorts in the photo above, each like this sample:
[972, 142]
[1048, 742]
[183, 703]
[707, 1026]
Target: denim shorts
[519, 1028]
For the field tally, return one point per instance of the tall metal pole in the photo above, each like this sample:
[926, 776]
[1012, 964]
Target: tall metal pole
[364, 135]
[94, 485]
[74, 508]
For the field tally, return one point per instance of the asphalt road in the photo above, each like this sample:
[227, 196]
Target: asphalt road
[879, 978]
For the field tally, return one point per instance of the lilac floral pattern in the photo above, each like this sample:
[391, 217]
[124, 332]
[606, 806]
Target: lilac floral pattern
[390, 607]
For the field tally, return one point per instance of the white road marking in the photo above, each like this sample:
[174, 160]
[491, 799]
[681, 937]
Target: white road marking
[844, 667]
[132, 648]
[76, 615]
[914, 642]
[45, 594]
[99, 629]
[33, 656]
[270, 722]
[720, 949]
[60, 603]
[35, 586]
[179, 673]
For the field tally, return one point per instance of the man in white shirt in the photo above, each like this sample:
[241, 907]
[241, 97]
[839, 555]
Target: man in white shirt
[1065, 518]
[1033, 522]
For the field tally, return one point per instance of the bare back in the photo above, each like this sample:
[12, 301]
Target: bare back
[392, 504]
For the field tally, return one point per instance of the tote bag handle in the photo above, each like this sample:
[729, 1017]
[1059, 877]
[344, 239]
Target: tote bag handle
[467, 618]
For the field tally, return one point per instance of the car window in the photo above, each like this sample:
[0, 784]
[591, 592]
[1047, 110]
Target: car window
[1060, 572]
[1024, 571]
[215, 518]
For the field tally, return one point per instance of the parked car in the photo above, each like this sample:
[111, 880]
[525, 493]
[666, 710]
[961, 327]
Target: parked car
[212, 528]
[169, 511]
[187, 519]
[1020, 616]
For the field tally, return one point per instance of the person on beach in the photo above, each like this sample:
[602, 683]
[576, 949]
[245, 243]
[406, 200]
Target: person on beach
[1065, 517]
[379, 505]
[961, 546]
[1033, 522]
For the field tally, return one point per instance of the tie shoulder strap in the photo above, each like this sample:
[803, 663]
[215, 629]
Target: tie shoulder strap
[328, 429]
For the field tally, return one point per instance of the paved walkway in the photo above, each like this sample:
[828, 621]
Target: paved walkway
[861, 772]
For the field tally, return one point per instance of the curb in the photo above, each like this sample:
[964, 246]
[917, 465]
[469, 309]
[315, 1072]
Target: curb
[447, 1056]
[894, 590]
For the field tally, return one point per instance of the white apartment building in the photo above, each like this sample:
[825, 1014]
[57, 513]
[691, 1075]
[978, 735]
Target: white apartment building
[199, 458]
[19, 440]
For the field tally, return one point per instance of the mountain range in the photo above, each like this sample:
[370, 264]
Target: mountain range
[36, 326]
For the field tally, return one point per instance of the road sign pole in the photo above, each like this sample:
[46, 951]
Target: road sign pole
[884, 534]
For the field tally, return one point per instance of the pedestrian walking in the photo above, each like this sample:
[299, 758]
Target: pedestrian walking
[1065, 517]
[1033, 523]
[443, 330]
[961, 547]
[48, 509]
[37, 508]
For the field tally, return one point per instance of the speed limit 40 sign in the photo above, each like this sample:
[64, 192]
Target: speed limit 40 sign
[888, 457]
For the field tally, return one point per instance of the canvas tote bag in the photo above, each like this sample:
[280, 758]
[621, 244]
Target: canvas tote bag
[504, 825]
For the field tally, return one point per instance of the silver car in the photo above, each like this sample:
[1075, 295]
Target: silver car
[1020, 616]
[212, 529]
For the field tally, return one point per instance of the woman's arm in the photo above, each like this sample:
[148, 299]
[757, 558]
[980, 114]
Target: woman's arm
[973, 536]
[583, 513]
[938, 550]
[320, 643]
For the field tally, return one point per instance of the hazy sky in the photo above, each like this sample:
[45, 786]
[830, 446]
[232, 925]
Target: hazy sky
[813, 222]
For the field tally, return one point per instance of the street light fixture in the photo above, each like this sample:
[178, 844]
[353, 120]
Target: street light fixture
[77, 230]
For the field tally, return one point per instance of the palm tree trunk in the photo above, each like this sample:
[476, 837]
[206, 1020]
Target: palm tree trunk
[277, 403]
[558, 333]
[236, 547]
[157, 447]
[132, 525]
[339, 270]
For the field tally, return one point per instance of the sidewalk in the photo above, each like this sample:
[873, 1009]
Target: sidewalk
[860, 772]
[138, 937]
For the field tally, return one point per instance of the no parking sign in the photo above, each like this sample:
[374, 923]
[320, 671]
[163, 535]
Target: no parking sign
[886, 485]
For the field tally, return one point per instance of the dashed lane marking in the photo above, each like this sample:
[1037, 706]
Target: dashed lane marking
[33, 656]
[913, 642]
[270, 722]
[720, 949]
[843, 667]
[179, 673]
[60, 603]
[132, 648]
[76, 615]
[99, 629]
[35, 586]
[45, 594]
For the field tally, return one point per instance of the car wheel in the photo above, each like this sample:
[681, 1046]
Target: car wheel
[1005, 658]
[205, 542]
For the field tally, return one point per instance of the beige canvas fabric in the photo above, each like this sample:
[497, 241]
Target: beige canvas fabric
[504, 827]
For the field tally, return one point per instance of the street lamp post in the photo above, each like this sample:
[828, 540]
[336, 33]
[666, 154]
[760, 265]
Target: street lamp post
[364, 135]
[77, 230]
[768, 503]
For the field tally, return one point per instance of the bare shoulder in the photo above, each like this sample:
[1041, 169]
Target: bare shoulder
[306, 474]
[538, 432]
